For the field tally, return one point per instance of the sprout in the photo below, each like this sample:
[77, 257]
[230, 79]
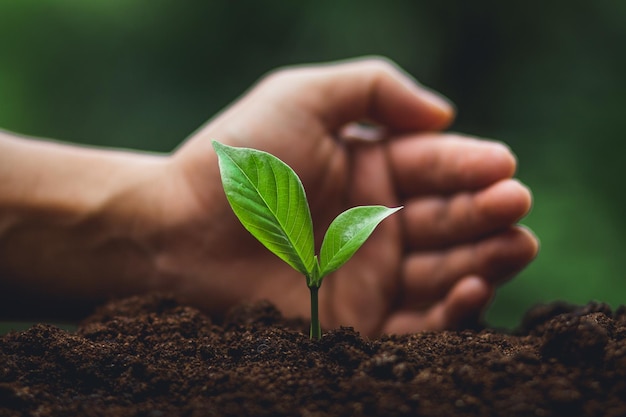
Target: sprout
[268, 198]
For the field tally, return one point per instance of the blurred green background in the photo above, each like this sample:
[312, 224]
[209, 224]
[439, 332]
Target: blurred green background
[548, 78]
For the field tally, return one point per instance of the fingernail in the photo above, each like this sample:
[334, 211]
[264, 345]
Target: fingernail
[438, 100]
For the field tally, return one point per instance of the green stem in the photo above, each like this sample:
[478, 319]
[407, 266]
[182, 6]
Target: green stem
[316, 330]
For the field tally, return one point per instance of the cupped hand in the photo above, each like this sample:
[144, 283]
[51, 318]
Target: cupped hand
[432, 265]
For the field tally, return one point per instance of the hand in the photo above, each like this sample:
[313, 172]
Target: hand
[430, 266]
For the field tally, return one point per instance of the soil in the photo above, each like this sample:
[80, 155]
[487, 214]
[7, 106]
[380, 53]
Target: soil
[150, 356]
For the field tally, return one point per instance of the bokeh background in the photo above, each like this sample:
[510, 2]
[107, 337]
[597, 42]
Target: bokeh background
[548, 78]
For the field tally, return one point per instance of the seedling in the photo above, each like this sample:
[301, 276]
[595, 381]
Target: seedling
[268, 198]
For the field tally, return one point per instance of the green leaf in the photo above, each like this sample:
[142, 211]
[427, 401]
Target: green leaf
[347, 233]
[269, 200]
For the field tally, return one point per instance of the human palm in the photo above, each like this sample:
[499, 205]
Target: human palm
[436, 263]
[429, 266]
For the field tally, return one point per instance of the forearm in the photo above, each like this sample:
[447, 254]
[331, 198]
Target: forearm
[69, 225]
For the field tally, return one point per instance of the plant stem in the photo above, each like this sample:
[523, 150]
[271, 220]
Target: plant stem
[316, 330]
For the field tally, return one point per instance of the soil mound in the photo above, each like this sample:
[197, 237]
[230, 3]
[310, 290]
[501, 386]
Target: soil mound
[150, 356]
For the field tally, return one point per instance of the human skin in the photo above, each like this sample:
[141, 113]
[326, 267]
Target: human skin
[79, 225]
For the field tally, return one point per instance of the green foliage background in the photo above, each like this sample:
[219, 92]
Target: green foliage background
[548, 78]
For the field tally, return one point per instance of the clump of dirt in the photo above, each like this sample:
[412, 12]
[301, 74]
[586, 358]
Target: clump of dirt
[150, 356]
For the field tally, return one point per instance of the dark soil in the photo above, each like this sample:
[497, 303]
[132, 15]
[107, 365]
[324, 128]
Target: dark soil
[150, 356]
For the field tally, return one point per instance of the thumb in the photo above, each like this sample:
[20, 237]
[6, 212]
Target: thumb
[372, 89]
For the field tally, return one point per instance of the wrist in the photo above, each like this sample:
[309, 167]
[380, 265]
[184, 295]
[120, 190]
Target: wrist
[71, 225]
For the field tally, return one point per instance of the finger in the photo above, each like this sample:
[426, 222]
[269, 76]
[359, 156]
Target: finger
[370, 184]
[435, 222]
[464, 304]
[433, 163]
[495, 258]
[374, 89]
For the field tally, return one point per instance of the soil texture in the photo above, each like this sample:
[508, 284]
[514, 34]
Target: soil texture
[151, 356]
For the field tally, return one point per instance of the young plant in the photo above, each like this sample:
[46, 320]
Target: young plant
[269, 200]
